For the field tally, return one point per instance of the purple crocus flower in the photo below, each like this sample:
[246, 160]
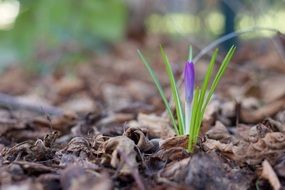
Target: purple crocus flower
[189, 81]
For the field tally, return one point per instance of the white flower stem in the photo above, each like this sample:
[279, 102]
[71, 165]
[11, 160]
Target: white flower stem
[188, 114]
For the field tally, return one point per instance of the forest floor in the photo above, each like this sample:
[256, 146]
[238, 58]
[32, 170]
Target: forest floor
[101, 125]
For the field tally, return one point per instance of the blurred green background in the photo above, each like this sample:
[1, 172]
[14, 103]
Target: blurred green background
[56, 32]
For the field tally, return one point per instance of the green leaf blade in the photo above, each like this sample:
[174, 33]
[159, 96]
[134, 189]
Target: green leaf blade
[204, 88]
[174, 90]
[195, 112]
[160, 90]
[219, 75]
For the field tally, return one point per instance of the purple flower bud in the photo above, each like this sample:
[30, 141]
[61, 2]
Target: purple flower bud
[189, 80]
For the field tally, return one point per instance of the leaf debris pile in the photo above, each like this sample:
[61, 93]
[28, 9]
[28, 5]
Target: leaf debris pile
[105, 131]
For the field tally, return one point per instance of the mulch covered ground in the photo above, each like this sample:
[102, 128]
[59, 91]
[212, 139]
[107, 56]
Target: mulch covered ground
[102, 125]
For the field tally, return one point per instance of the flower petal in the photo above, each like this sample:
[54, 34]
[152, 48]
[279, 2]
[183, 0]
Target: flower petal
[189, 80]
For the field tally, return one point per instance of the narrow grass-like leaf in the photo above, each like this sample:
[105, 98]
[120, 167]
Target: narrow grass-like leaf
[195, 110]
[208, 75]
[175, 94]
[219, 75]
[198, 114]
[160, 90]
[203, 92]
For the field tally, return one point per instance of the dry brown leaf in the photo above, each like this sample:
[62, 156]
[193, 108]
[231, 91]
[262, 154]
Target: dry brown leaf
[68, 86]
[214, 144]
[275, 140]
[61, 123]
[139, 90]
[172, 154]
[262, 143]
[175, 170]
[267, 110]
[140, 138]
[79, 103]
[115, 118]
[272, 88]
[219, 132]
[113, 150]
[210, 171]
[17, 151]
[20, 85]
[78, 146]
[9, 124]
[116, 96]
[156, 126]
[179, 141]
[271, 60]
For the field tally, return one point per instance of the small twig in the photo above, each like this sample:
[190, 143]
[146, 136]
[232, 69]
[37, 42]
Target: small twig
[230, 36]
[237, 111]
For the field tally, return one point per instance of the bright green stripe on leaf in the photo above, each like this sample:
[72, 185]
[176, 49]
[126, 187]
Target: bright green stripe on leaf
[160, 90]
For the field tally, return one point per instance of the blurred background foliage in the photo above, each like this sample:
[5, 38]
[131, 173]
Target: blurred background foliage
[46, 33]
[43, 29]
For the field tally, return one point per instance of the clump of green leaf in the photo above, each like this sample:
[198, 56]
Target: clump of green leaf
[196, 101]
[202, 98]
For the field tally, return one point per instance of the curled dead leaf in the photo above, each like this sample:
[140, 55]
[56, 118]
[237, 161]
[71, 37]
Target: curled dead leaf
[113, 150]
[139, 136]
